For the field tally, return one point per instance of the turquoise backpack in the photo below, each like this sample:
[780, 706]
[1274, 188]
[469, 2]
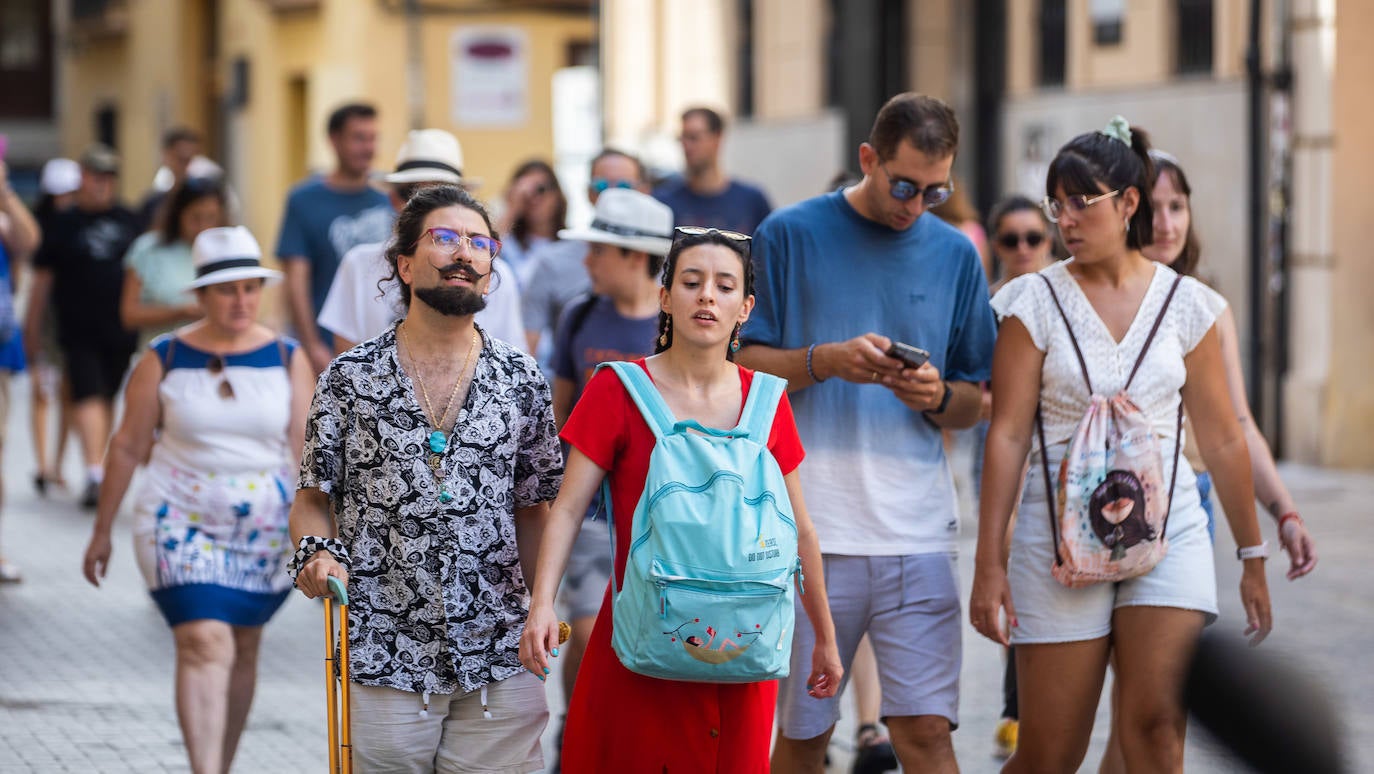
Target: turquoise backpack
[707, 594]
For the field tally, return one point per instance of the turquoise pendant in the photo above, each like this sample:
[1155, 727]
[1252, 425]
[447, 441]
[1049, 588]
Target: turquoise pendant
[445, 496]
[438, 442]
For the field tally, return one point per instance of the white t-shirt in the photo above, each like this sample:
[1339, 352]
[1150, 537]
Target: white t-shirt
[356, 310]
[1064, 397]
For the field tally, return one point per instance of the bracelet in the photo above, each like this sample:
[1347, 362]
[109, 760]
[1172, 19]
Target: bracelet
[1290, 516]
[311, 545]
[1260, 551]
[809, 372]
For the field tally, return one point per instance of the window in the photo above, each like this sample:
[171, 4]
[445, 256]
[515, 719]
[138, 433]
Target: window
[26, 81]
[744, 57]
[1053, 42]
[107, 126]
[1108, 17]
[1193, 55]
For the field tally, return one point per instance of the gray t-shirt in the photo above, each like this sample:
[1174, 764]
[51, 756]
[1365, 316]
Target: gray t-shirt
[558, 275]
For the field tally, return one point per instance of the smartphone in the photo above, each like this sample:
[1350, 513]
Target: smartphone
[913, 357]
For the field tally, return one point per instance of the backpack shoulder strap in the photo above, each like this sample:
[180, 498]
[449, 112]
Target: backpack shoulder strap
[1159, 318]
[167, 356]
[1082, 364]
[761, 406]
[645, 395]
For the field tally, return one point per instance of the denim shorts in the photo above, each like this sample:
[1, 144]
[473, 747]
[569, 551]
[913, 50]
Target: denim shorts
[1047, 611]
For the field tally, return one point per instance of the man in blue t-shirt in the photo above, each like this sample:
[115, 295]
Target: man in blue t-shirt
[840, 278]
[325, 218]
[703, 195]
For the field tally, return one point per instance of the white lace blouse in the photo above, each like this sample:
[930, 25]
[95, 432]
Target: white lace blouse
[1063, 395]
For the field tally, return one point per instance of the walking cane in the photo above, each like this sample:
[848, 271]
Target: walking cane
[336, 669]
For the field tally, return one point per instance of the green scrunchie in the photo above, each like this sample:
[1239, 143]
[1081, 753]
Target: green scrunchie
[1119, 129]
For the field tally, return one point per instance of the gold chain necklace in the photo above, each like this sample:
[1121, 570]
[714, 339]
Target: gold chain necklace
[438, 440]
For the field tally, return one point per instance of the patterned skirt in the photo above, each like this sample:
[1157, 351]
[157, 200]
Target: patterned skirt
[214, 546]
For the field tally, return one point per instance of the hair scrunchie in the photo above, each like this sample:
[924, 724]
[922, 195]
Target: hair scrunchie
[1118, 129]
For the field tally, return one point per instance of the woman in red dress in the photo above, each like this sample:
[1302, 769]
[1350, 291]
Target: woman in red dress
[619, 720]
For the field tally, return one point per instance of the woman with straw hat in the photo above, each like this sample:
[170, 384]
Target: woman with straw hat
[217, 410]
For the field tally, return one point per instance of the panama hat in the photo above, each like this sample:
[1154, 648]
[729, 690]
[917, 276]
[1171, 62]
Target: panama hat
[629, 219]
[228, 254]
[430, 156]
[60, 176]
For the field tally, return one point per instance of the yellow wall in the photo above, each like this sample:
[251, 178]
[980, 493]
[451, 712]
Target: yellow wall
[1349, 416]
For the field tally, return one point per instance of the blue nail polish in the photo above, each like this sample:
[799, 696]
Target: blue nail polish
[546, 670]
[541, 678]
[555, 651]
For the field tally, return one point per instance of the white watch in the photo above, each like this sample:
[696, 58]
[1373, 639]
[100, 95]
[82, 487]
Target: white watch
[1260, 551]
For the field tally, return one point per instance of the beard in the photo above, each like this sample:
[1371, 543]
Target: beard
[452, 301]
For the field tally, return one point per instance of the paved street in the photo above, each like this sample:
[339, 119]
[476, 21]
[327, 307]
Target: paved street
[85, 675]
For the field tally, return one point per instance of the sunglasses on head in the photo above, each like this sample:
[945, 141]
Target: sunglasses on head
[904, 190]
[743, 240]
[1031, 238]
[600, 184]
[216, 367]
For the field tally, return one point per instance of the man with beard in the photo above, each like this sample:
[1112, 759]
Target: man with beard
[430, 458]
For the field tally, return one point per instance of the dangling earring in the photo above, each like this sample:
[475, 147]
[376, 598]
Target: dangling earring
[667, 326]
[734, 340]
[1128, 225]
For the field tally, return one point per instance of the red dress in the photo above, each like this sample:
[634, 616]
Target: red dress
[620, 721]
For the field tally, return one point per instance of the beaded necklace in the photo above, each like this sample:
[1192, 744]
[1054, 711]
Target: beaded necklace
[438, 440]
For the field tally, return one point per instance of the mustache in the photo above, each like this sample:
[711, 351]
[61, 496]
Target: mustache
[464, 269]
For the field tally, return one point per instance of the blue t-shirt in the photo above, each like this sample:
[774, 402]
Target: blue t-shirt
[602, 335]
[876, 482]
[741, 207]
[321, 224]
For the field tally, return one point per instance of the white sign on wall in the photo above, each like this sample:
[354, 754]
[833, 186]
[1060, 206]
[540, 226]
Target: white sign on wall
[489, 77]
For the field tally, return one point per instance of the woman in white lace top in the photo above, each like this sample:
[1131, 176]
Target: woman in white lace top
[1126, 314]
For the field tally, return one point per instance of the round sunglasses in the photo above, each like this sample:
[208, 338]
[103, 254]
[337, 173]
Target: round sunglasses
[1010, 241]
[904, 190]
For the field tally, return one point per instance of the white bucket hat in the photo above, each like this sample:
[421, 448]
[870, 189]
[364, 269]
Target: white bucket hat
[430, 156]
[60, 176]
[628, 219]
[228, 254]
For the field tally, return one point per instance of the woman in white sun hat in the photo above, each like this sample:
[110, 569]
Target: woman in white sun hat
[217, 410]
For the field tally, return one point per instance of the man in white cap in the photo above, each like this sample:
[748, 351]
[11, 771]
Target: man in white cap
[356, 310]
[627, 241]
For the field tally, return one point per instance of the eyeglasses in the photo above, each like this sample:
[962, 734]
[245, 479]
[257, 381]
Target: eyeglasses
[216, 366]
[905, 190]
[478, 246]
[1031, 238]
[600, 184]
[744, 241]
[1076, 204]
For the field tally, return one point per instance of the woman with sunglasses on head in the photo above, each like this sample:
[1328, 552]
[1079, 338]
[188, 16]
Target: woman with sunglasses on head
[1127, 326]
[217, 410]
[620, 720]
[158, 267]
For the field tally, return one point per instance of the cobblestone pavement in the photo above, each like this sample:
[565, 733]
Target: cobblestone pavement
[85, 674]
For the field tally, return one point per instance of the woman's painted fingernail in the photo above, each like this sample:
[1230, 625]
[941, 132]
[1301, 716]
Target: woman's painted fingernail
[555, 651]
[541, 678]
[546, 670]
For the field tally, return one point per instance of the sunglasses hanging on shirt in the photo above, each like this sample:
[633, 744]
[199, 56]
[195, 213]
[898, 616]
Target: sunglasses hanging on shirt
[216, 367]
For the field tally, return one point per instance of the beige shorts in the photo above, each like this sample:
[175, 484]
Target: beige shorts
[389, 735]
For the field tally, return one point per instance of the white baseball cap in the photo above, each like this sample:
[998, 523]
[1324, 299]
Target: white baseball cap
[228, 254]
[628, 219]
[430, 156]
[60, 176]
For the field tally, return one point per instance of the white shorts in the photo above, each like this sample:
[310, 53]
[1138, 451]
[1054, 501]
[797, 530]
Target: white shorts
[1047, 611]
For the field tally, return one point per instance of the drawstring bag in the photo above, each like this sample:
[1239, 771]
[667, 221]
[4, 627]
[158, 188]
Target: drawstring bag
[1113, 510]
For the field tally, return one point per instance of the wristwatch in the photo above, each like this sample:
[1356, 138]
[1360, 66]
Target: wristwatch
[1260, 551]
[944, 401]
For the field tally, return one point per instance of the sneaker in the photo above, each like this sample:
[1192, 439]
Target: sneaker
[1004, 740]
[91, 495]
[873, 754]
[9, 573]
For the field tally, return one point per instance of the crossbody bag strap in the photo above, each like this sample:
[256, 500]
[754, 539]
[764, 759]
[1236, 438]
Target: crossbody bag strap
[1173, 479]
[1082, 364]
[1049, 484]
[1159, 319]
